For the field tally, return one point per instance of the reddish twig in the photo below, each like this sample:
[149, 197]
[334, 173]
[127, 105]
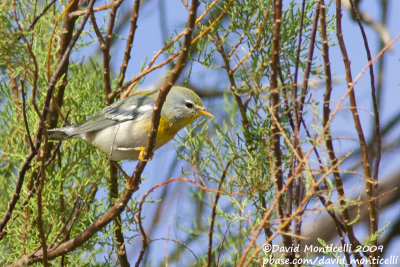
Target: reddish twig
[288, 220]
[139, 213]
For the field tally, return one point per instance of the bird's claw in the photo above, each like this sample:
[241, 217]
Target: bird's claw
[141, 154]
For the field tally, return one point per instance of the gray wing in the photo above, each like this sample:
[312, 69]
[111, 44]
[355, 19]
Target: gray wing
[138, 106]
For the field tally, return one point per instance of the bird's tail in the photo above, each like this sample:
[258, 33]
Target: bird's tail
[58, 134]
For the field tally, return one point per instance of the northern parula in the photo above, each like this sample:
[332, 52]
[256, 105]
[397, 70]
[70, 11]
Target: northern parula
[121, 129]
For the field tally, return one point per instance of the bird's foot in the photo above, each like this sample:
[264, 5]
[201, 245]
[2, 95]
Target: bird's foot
[141, 154]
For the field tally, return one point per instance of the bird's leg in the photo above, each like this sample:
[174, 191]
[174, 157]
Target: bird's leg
[141, 154]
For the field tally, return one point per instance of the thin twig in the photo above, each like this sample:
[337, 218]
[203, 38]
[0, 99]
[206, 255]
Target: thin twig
[36, 19]
[328, 140]
[83, 12]
[233, 87]
[307, 71]
[129, 42]
[297, 212]
[363, 145]
[142, 201]
[214, 213]
[28, 132]
[106, 48]
[377, 133]
[26, 165]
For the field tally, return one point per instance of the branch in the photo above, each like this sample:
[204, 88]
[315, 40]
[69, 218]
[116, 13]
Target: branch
[276, 167]
[162, 95]
[363, 145]
[27, 163]
[121, 203]
[213, 215]
[129, 43]
[388, 194]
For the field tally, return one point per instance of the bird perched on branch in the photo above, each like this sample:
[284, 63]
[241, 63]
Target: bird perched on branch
[121, 130]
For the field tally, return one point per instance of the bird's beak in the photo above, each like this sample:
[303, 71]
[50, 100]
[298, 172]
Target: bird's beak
[206, 113]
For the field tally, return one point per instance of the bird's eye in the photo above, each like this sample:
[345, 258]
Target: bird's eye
[189, 105]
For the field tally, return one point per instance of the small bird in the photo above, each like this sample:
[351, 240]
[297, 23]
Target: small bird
[121, 129]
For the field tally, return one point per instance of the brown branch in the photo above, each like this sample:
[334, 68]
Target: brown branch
[106, 48]
[377, 132]
[65, 40]
[276, 168]
[328, 140]
[298, 52]
[105, 44]
[42, 178]
[299, 210]
[230, 73]
[363, 145]
[38, 137]
[28, 132]
[213, 214]
[162, 95]
[96, 29]
[382, 43]
[377, 135]
[298, 110]
[18, 186]
[307, 71]
[129, 43]
[324, 228]
[119, 237]
[380, 28]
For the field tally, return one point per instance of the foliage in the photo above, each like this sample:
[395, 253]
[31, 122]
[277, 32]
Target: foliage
[252, 177]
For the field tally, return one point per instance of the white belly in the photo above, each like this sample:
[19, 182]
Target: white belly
[118, 141]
